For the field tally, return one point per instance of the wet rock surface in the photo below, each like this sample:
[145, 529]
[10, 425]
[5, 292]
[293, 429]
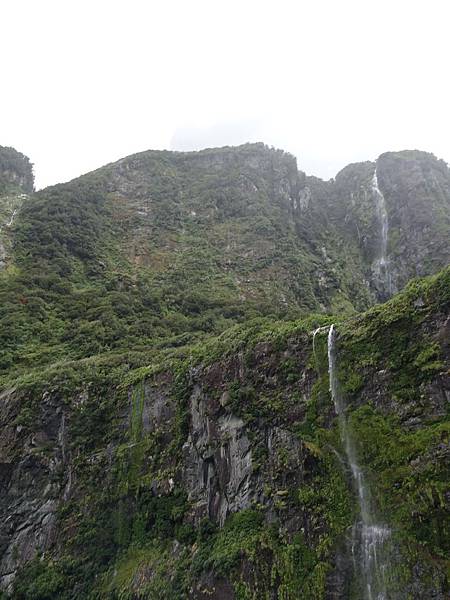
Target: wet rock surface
[33, 481]
[125, 470]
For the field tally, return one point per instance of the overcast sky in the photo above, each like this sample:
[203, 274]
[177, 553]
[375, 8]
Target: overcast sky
[84, 83]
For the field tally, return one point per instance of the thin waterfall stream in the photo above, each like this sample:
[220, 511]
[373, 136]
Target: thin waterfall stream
[381, 264]
[369, 536]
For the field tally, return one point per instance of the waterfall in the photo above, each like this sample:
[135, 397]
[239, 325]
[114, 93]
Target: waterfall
[381, 264]
[369, 537]
[11, 220]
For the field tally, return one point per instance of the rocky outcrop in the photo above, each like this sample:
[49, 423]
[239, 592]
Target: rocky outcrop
[217, 462]
[417, 190]
[33, 478]
[245, 430]
[177, 464]
[9, 210]
[415, 187]
[16, 172]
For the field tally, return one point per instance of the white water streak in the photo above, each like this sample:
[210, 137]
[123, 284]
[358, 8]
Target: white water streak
[369, 537]
[381, 263]
[10, 222]
[5, 225]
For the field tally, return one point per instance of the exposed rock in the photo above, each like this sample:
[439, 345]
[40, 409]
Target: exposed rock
[221, 449]
[32, 473]
[16, 172]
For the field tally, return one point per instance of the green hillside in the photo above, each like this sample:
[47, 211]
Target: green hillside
[167, 425]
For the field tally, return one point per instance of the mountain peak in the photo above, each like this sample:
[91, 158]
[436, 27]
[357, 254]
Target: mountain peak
[16, 171]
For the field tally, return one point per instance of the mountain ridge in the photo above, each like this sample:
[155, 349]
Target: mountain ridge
[225, 148]
[163, 332]
[238, 231]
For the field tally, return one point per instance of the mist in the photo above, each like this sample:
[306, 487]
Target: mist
[86, 83]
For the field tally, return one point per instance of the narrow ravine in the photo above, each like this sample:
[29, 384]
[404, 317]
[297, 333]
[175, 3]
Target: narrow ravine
[381, 264]
[369, 536]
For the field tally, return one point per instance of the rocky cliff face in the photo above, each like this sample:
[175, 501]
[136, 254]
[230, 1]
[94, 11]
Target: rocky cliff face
[16, 182]
[414, 188]
[221, 469]
[30, 492]
[16, 172]
[417, 187]
[166, 247]
[143, 455]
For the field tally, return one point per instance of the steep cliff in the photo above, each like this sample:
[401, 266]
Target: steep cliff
[16, 172]
[167, 429]
[406, 191]
[162, 248]
[16, 182]
[217, 471]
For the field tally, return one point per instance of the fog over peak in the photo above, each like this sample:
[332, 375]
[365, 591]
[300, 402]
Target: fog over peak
[298, 139]
[331, 82]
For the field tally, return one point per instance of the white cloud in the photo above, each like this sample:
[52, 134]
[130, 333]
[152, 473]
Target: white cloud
[85, 83]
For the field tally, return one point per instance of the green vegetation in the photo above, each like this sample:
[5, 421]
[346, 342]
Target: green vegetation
[147, 305]
[410, 477]
[16, 172]
[123, 530]
[190, 251]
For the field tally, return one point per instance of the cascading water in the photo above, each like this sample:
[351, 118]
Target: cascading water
[369, 537]
[380, 266]
[11, 220]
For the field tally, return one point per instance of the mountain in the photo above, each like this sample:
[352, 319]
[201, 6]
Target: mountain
[413, 189]
[16, 181]
[162, 248]
[167, 425]
[16, 171]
